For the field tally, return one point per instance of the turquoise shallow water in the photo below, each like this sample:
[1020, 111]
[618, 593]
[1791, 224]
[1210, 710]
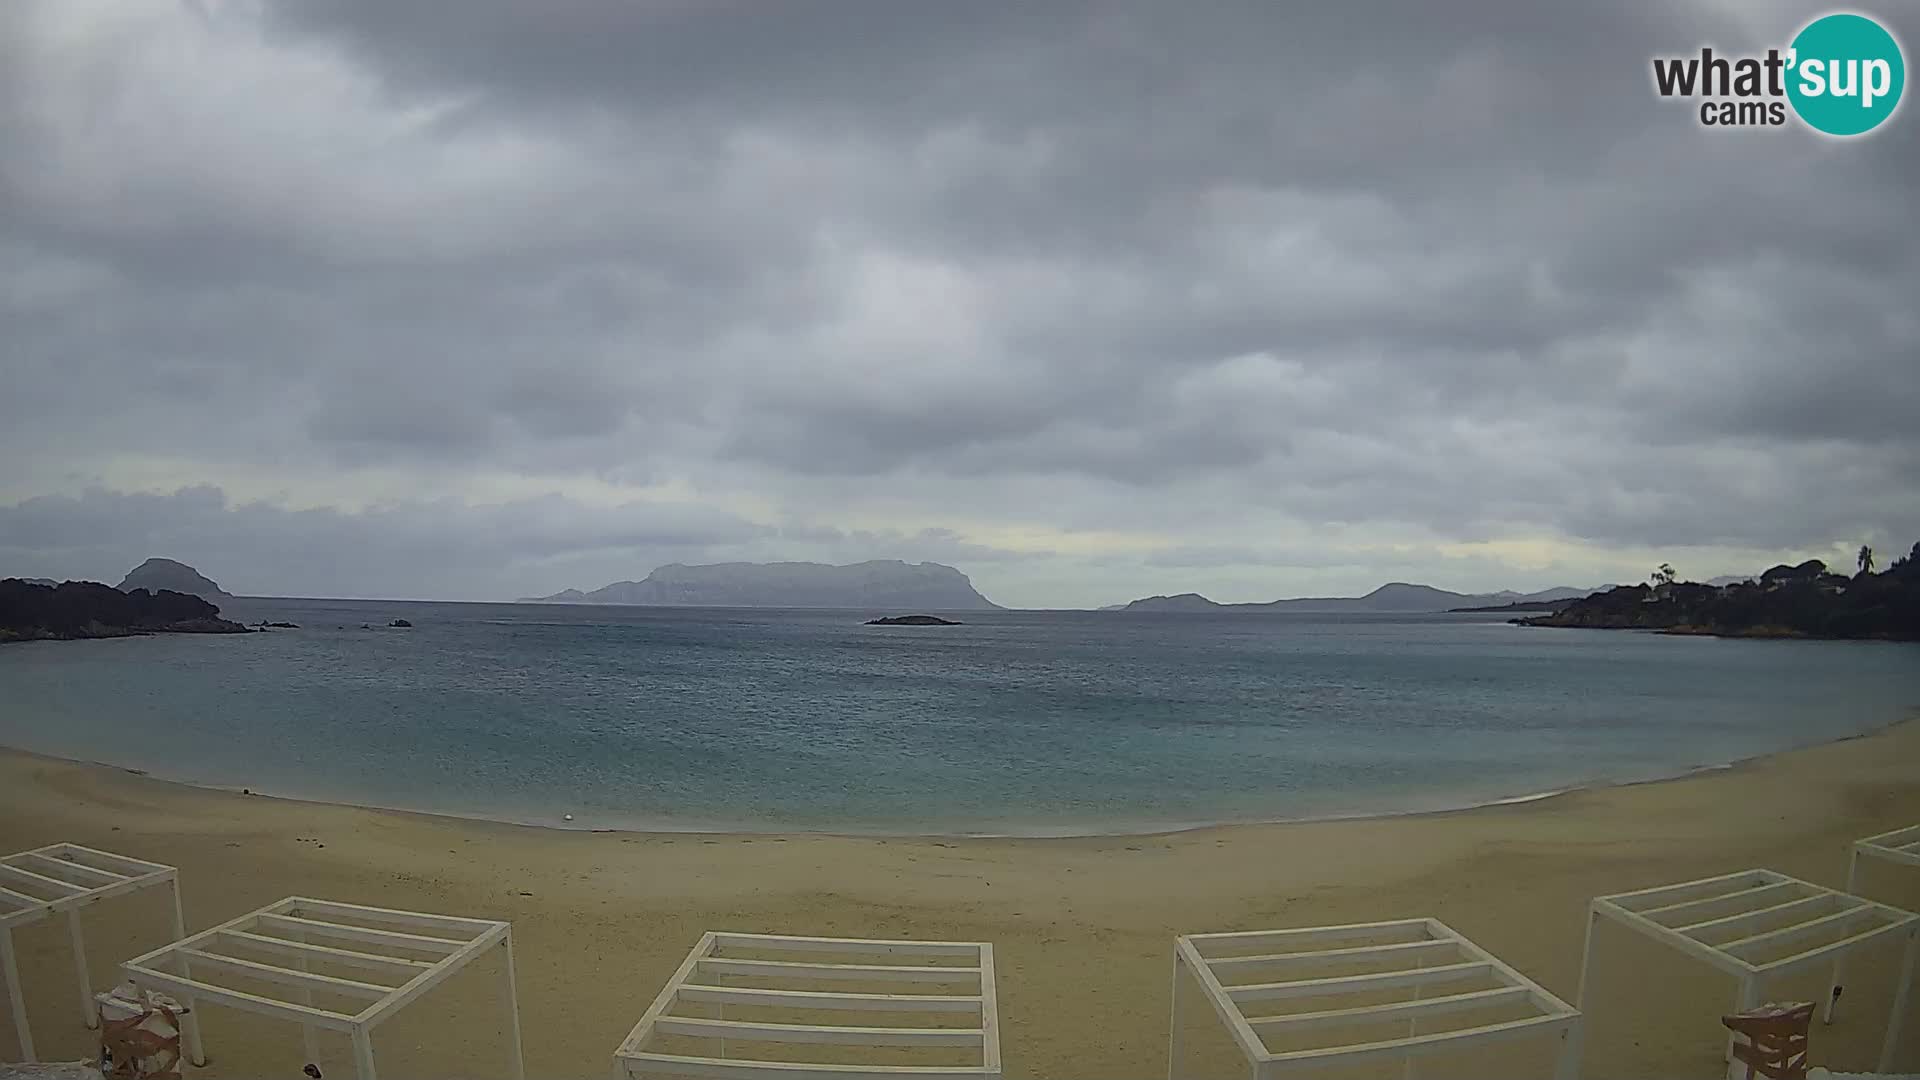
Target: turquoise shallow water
[1018, 722]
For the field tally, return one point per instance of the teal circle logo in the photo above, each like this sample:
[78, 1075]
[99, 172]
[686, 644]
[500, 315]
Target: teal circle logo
[1846, 74]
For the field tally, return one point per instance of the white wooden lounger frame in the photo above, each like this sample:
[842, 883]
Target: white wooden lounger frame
[697, 981]
[1441, 955]
[1696, 917]
[1901, 847]
[388, 951]
[60, 879]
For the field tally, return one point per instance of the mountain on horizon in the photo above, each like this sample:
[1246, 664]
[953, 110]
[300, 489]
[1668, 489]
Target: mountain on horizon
[878, 583]
[1397, 596]
[157, 574]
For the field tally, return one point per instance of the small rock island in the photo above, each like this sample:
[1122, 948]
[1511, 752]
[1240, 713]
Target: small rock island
[912, 620]
[169, 575]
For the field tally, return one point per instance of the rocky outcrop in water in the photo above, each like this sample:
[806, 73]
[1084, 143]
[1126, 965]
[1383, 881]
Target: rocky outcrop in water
[912, 620]
[157, 575]
[88, 609]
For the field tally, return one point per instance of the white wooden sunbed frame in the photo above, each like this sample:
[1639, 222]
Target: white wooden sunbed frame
[1734, 921]
[384, 948]
[710, 974]
[60, 879]
[1900, 847]
[1426, 952]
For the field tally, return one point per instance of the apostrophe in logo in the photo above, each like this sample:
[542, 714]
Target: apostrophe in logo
[1847, 74]
[1843, 74]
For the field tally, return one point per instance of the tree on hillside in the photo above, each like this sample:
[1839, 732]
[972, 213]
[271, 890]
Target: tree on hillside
[1906, 563]
[1865, 559]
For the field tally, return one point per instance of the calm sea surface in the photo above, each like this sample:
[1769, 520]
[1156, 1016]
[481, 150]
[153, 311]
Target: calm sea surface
[1018, 722]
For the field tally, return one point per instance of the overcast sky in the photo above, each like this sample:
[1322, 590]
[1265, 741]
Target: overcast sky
[478, 300]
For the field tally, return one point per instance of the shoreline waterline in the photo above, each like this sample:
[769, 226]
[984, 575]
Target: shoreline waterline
[708, 829]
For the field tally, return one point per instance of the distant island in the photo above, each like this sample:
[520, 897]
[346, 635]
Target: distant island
[1396, 597]
[156, 575]
[1787, 601]
[912, 620]
[881, 583]
[1518, 606]
[88, 609]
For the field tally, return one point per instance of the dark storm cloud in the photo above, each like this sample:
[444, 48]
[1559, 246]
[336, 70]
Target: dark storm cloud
[1050, 278]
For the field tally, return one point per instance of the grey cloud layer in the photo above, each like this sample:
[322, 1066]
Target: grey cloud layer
[430, 548]
[1238, 278]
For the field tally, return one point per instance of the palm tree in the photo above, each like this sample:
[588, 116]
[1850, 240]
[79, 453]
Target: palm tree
[1866, 559]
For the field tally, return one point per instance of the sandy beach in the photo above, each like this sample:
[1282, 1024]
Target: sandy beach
[1083, 927]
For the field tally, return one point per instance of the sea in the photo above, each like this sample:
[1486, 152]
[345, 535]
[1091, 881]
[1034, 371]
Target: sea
[1013, 723]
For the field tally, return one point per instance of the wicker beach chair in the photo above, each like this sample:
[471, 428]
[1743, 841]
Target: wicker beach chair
[1771, 1040]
